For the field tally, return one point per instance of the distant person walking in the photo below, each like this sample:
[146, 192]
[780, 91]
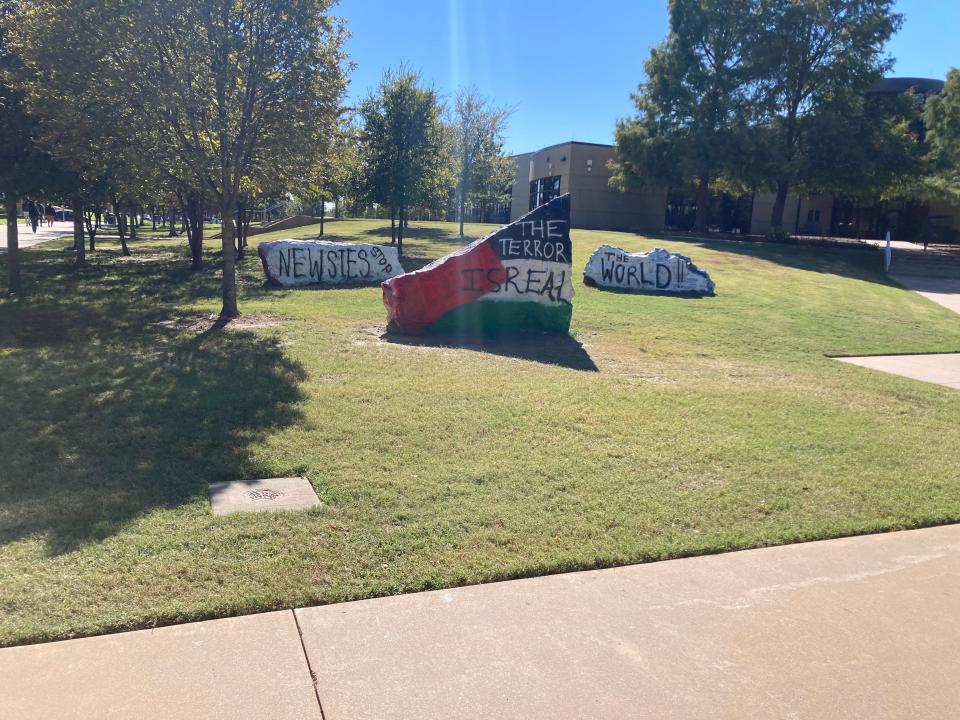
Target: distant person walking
[42, 212]
[34, 214]
[51, 215]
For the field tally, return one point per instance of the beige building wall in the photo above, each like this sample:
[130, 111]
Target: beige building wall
[762, 209]
[583, 172]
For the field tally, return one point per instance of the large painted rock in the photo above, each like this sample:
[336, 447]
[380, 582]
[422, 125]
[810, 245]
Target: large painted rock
[657, 271]
[516, 279]
[320, 262]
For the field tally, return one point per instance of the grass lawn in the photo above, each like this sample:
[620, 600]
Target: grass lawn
[665, 427]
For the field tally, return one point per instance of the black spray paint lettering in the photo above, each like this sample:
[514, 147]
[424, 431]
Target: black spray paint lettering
[616, 268]
[509, 278]
[533, 248]
[346, 263]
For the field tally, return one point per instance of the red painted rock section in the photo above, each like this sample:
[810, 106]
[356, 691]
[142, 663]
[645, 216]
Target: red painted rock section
[516, 279]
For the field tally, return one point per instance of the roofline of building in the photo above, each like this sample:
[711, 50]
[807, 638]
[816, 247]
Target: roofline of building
[568, 142]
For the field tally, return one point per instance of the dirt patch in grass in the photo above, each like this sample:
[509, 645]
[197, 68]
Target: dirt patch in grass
[203, 322]
[547, 348]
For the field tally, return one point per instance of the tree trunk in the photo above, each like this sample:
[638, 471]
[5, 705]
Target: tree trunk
[194, 214]
[403, 216]
[393, 225]
[121, 229]
[153, 216]
[173, 220]
[461, 209]
[133, 227]
[703, 204]
[323, 210]
[92, 232]
[779, 203]
[229, 287]
[78, 239]
[13, 246]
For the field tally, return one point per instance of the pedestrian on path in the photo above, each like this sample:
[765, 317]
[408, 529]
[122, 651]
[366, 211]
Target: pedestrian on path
[51, 215]
[34, 214]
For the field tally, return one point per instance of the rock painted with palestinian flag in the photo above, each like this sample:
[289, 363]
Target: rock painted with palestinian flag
[657, 271]
[514, 280]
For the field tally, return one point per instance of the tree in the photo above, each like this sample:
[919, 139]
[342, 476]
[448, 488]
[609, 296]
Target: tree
[942, 120]
[25, 168]
[694, 106]
[404, 146]
[224, 90]
[478, 129]
[815, 58]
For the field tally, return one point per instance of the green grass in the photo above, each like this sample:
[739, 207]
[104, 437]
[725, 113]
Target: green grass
[665, 427]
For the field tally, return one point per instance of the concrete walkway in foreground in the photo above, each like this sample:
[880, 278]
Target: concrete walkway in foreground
[865, 627]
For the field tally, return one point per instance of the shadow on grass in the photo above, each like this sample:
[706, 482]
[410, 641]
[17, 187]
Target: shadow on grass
[110, 414]
[858, 263]
[415, 232]
[547, 348]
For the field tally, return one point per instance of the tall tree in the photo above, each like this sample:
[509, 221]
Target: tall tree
[478, 129]
[694, 105]
[942, 120]
[25, 168]
[815, 58]
[232, 89]
[404, 145]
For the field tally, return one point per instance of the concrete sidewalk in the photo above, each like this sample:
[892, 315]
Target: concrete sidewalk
[862, 627]
[944, 291]
[27, 238]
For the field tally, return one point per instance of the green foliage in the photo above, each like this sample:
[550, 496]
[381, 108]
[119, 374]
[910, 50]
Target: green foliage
[482, 172]
[942, 120]
[405, 146]
[236, 96]
[769, 93]
[814, 61]
[694, 106]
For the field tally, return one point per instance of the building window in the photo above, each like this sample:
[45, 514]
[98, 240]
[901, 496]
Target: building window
[544, 190]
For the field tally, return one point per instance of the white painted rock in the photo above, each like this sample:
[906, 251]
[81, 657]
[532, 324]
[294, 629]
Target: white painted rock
[320, 262]
[657, 271]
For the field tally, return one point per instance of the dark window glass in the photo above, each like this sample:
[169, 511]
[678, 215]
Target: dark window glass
[544, 190]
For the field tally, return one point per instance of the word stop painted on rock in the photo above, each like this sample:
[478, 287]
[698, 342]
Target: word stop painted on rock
[320, 262]
[516, 279]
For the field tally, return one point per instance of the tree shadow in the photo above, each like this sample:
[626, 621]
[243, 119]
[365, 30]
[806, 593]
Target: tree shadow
[112, 414]
[855, 261]
[414, 233]
[546, 348]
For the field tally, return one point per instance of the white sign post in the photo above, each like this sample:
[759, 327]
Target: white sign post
[886, 254]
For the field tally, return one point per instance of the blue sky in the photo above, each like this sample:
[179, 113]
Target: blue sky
[566, 68]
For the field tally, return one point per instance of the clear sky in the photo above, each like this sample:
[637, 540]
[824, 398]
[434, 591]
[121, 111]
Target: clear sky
[567, 68]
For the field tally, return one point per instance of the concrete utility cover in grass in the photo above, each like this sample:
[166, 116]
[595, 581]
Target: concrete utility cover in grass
[292, 493]
[942, 369]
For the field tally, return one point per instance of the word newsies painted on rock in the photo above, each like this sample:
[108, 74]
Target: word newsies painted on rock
[320, 262]
[518, 278]
[657, 271]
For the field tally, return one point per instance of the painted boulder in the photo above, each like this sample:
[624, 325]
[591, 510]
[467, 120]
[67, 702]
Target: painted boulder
[657, 271]
[320, 262]
[514, 280]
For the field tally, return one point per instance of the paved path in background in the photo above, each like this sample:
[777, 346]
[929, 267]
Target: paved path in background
[26, 238]
[939, 368]
[862, 627]
[945, 291]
